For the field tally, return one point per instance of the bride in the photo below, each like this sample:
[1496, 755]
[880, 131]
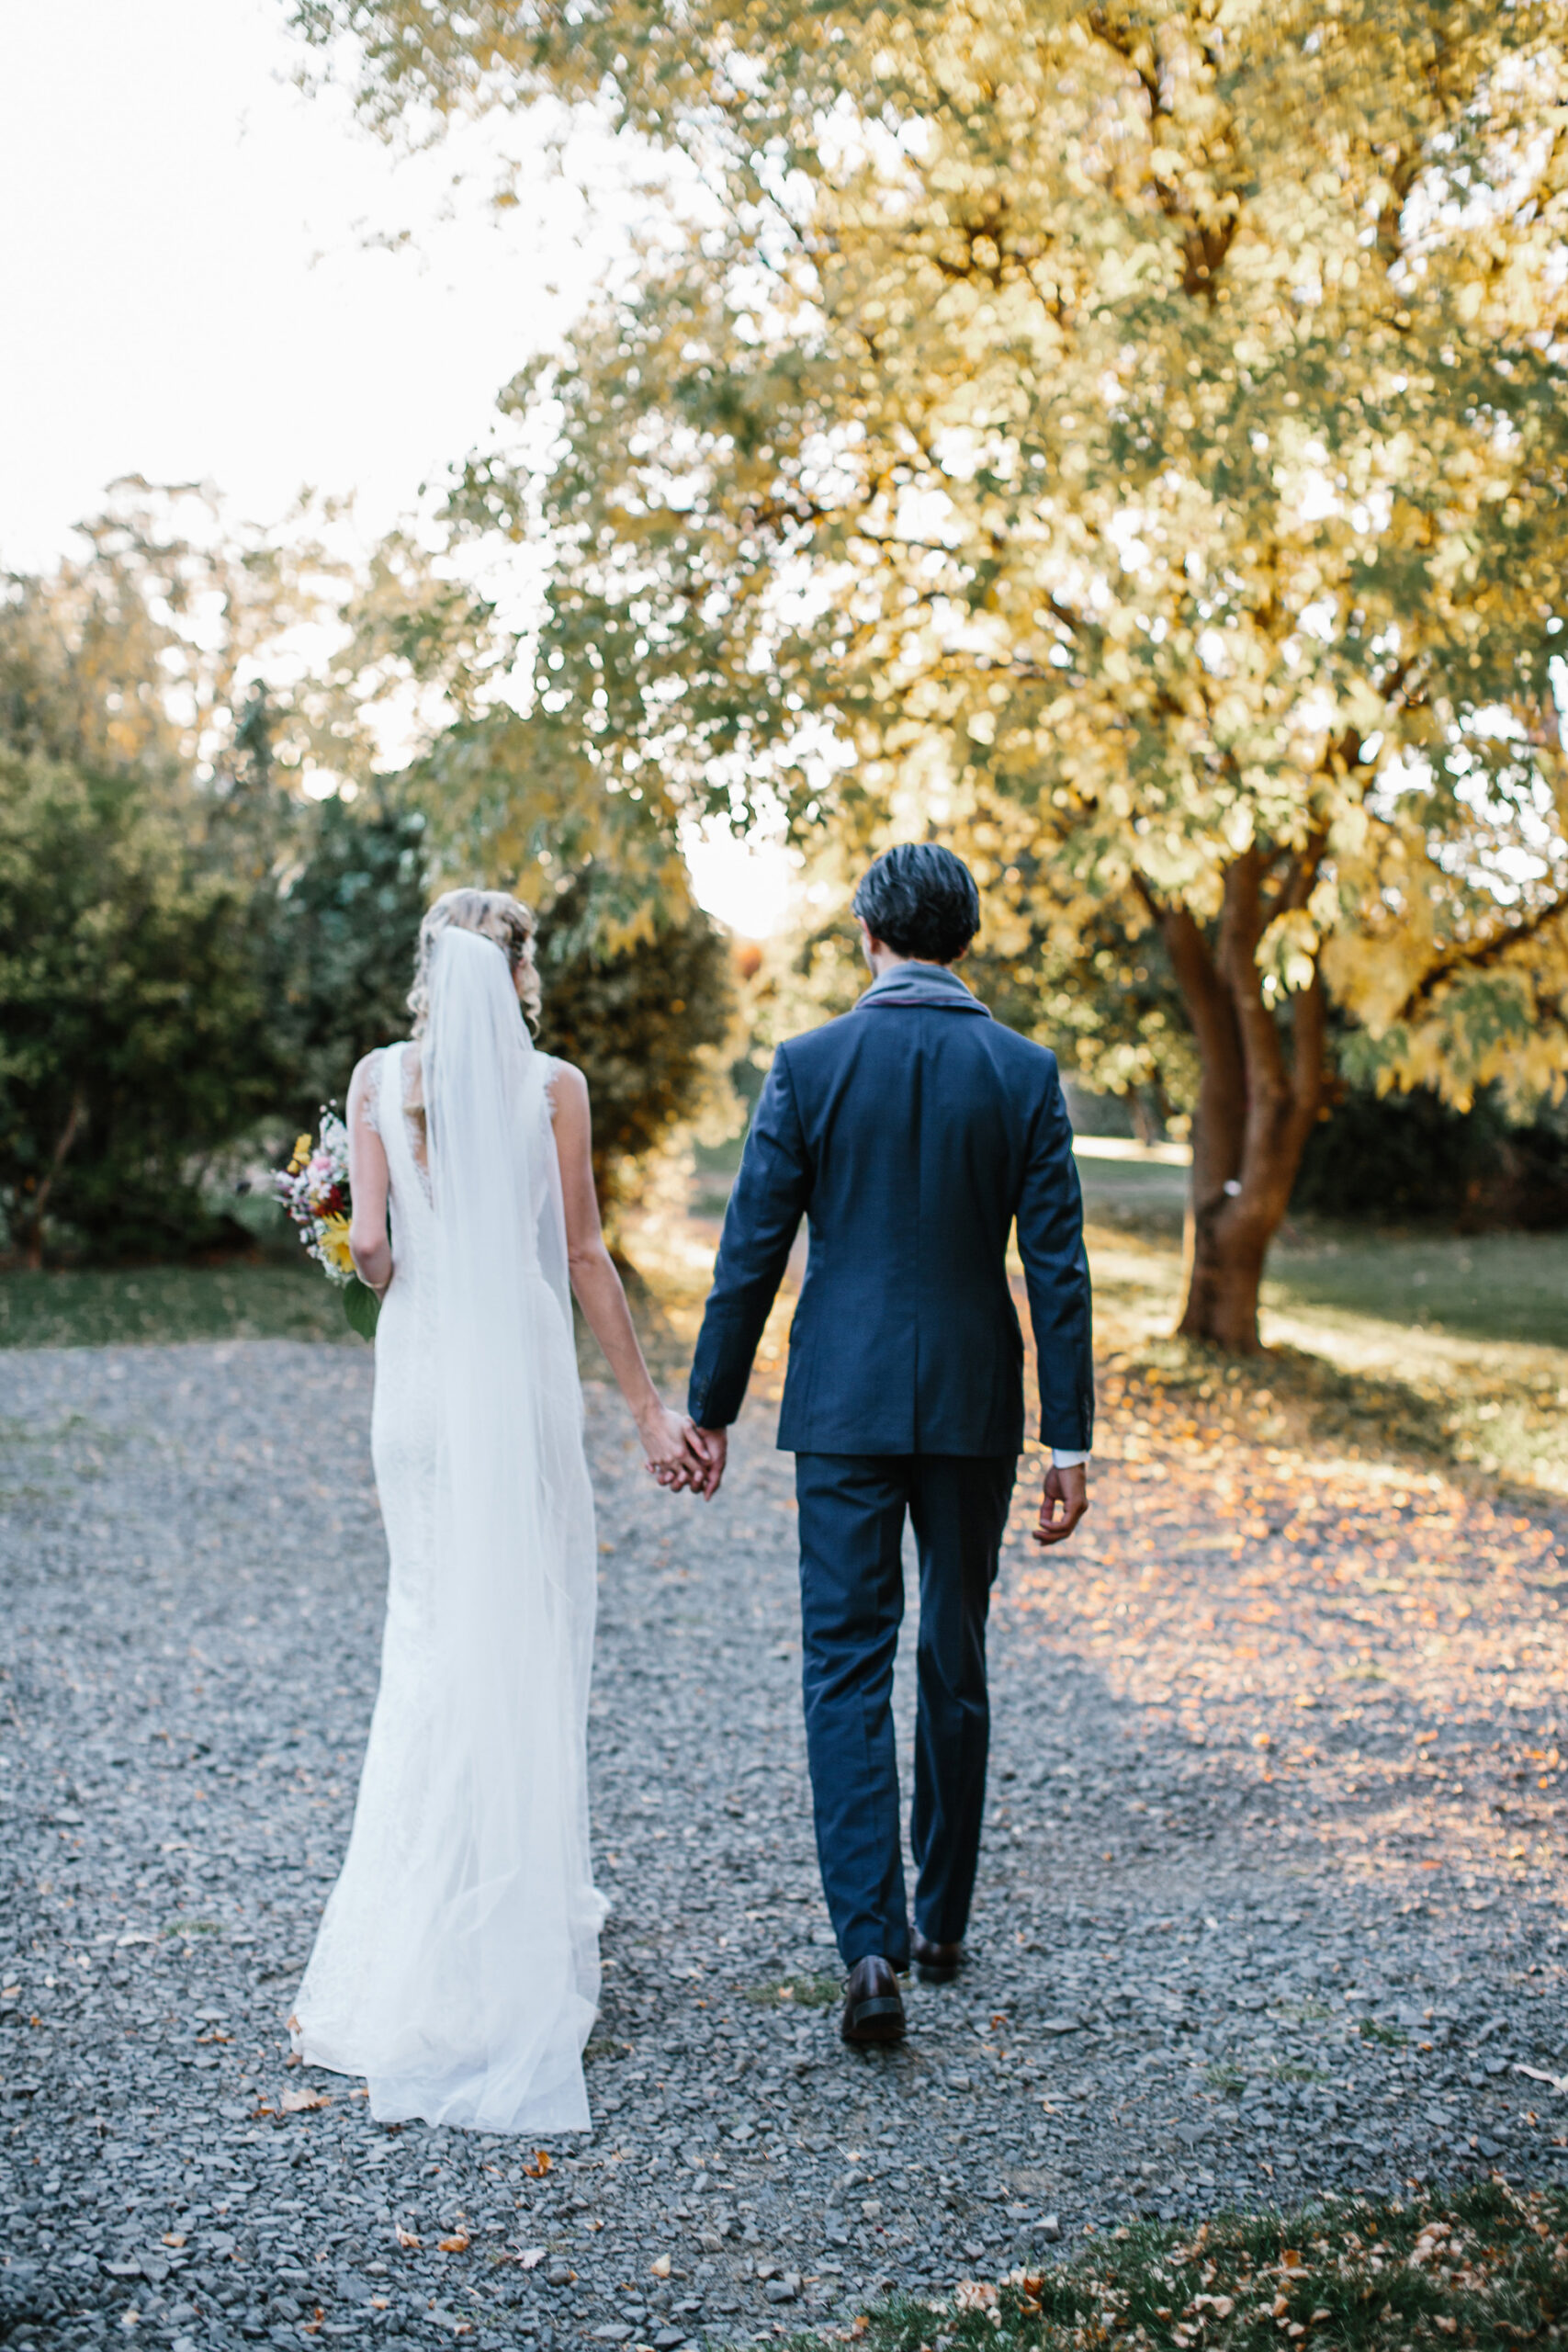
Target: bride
[457, 1966]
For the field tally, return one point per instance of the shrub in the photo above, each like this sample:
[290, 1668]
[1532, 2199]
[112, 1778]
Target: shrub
[132, 1011]
[1401, 1157]
[341, 951]
[644, 1024]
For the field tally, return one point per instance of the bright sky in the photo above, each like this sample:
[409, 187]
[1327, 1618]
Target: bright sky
[195, 291]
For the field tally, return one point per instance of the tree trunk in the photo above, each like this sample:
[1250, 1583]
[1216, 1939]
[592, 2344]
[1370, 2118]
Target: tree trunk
[32, 1247]
[1255, 1108]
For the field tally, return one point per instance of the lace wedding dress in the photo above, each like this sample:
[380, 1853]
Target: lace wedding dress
[457, 1966]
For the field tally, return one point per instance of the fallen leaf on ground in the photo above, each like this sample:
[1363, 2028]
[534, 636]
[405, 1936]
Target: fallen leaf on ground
[302, 2102]
[457, 2243]
[407, 2240]
[660, 2269]
[531, 2257]
[1558, 2082]
[540, 2166]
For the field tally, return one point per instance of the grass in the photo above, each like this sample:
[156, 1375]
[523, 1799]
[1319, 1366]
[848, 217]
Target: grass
[805, 1992]
[1447, 1349]
[1502, 1286]
[270, 1297]
[1487, 2268]
[1510, 1288]
[237, 1299]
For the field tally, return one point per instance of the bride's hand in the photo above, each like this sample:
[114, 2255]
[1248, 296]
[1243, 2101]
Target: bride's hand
[672, 1458]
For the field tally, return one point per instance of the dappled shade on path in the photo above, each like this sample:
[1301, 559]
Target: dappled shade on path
[1209, 1966]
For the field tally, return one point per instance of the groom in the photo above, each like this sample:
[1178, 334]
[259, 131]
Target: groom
[911, 1134]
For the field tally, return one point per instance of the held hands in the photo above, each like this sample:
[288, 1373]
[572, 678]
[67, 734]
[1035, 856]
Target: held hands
[701, 1467]
[682, 1457]
[673, 1453]
[1066, 1494]
[714, 1445]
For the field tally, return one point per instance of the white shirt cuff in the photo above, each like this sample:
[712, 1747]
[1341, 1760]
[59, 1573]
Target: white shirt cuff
[1067, 1457]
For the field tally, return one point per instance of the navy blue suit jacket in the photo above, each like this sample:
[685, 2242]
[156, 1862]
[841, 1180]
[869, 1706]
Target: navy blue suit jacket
[911, 1133]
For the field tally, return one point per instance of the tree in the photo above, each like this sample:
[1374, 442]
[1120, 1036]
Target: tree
[341, 949]
[189, 943]
[134, 1038]
[1126, 440]
[645, 1023]
[210, 900]
[132, 1019]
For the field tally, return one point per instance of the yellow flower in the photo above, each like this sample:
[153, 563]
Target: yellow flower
[334, 1241]
[301, 1154]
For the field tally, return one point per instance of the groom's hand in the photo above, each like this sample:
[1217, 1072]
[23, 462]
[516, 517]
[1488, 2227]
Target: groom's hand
[714, 1446]
[1066, 1494]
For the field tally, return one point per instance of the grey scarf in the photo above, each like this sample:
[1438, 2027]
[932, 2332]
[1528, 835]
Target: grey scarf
[922, 984]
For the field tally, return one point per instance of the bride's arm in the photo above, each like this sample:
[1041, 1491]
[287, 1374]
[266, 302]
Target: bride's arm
[666, 1442]
[368, 1181]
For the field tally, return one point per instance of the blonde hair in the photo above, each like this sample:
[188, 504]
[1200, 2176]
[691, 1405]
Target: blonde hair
[495, 915]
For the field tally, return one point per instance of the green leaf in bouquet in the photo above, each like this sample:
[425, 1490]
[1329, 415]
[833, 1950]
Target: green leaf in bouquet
[362, 1307]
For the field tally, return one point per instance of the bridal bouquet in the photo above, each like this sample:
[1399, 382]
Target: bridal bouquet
[313, 1188]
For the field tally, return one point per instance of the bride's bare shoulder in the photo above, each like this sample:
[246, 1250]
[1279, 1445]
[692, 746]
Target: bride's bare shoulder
[568, 1097]
[364, 1086]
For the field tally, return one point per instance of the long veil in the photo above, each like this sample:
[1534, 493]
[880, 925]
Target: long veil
[496, 1978]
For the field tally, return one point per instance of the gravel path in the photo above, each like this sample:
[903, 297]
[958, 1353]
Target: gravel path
[1271, 1899]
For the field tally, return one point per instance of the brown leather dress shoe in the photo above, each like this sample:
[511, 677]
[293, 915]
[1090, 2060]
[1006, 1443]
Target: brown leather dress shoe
[874, 2006]
[937, 1963]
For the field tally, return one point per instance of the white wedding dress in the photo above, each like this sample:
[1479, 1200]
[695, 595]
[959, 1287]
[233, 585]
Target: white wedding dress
[456, 1967]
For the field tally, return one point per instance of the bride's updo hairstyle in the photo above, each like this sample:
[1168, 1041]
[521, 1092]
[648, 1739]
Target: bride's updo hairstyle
[494, 915]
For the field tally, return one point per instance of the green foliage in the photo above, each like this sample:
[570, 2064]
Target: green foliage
[186, 947]
[133, 1018]
[342, 949]
[361, 1309]
[646, 1023]
[535, 798]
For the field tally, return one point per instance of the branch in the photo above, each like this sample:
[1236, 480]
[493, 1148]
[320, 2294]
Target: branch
[1300, 877]
[40, 1200]
[1242, 924]
[1481, 960]
[1197, 974]
[1310, 1030]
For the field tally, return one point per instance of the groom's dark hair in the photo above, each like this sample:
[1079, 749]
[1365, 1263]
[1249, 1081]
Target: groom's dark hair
[920, 900]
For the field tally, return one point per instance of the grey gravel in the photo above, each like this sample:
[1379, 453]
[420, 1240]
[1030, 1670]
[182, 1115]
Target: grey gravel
[1181, 1995]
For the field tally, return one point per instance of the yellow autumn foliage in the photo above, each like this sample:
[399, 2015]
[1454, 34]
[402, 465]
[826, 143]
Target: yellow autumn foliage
[1129, 441]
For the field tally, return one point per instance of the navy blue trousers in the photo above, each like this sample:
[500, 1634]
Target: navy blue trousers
[852, 1508]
